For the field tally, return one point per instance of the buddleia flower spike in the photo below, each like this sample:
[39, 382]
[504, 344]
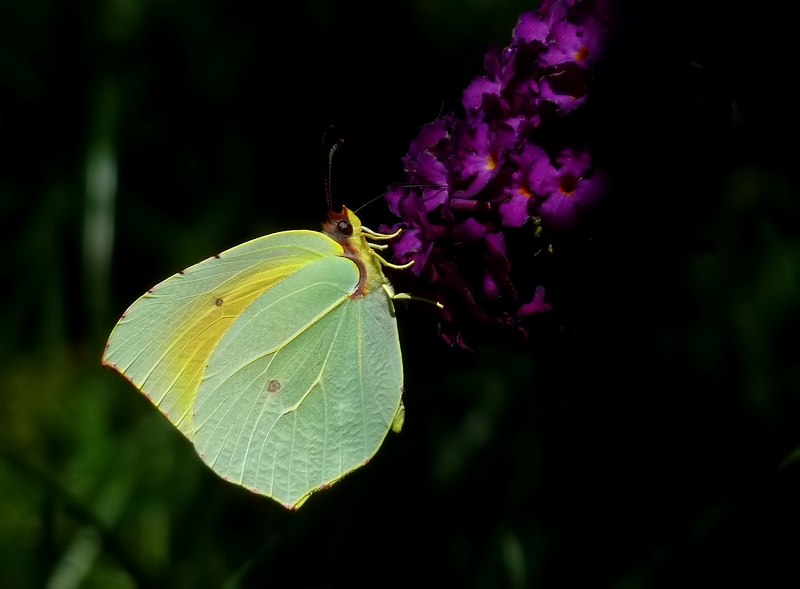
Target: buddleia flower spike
[490, 192]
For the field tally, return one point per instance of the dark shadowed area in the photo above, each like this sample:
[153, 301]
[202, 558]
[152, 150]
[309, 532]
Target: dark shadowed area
[644, 436]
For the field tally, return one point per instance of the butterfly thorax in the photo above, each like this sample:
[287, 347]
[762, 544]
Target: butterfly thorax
[344, 228]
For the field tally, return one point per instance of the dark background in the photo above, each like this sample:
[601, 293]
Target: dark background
[643, 437]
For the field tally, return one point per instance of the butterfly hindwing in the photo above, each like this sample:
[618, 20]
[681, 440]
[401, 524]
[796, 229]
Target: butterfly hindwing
[303, 387]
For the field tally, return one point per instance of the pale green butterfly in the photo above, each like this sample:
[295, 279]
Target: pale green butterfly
[279, 359]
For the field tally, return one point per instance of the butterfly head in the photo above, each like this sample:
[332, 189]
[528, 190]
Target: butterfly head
[342, 226]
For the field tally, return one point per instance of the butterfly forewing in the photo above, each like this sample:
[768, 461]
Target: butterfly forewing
[163, 341]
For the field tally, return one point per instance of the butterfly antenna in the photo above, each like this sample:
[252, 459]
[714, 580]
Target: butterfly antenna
[385, 192]
[328, 189]
[372, 200]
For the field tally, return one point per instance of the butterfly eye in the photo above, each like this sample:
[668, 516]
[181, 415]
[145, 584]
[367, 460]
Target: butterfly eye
[345, 228]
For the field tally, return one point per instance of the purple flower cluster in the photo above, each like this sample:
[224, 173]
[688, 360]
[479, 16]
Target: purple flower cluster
[476, 182]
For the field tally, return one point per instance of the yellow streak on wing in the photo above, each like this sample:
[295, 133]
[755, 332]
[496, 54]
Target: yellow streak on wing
[201, 335]
[173, 382]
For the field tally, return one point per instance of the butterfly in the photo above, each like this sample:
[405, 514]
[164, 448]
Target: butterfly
[279, 359]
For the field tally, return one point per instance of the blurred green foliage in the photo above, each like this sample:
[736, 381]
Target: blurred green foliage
[643, 436]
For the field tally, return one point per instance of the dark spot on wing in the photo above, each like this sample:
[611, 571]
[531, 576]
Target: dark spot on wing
[218, 302]
[273, 386]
